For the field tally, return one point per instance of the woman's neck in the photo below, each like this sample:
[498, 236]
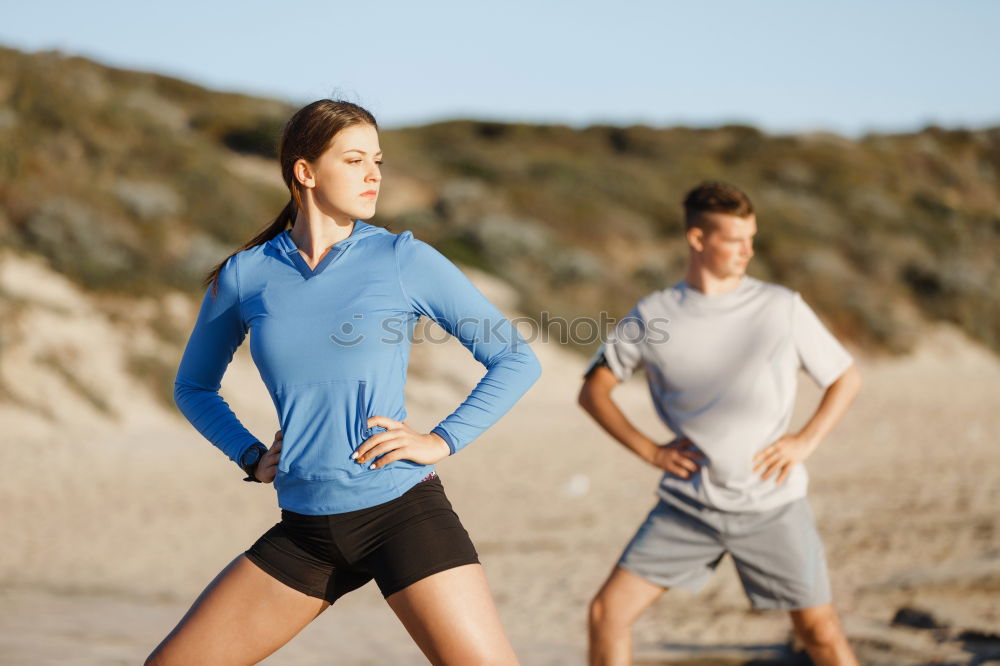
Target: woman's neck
[315, 234]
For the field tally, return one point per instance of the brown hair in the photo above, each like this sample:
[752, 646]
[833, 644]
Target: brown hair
[714, 197]
[306, 136]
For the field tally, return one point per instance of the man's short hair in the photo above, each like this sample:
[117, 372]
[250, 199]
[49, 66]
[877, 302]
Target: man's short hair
[714, 197]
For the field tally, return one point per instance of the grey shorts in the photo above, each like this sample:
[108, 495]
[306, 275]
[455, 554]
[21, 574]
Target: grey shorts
[778, 553]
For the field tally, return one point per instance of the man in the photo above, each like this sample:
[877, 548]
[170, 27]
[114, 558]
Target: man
[721, 351]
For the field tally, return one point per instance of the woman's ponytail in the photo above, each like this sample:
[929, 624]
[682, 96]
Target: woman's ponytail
[284, 220]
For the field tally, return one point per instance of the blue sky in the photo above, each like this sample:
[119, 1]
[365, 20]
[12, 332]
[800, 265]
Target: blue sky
[783, 65]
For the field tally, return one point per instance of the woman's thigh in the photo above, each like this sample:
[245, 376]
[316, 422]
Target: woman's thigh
[242, 616]
[452, 618]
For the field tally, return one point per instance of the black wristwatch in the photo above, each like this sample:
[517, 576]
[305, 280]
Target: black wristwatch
[250, 458]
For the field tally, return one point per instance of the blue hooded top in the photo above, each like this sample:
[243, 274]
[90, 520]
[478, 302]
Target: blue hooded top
[332, 345]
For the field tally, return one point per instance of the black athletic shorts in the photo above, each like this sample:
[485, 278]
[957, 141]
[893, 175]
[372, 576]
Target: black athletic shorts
[397, 543]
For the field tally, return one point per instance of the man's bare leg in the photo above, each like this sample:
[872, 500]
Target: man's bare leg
[819, 629]
[620, 601]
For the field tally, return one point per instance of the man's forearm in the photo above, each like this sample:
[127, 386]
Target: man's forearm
[837, 398]
[602, 408]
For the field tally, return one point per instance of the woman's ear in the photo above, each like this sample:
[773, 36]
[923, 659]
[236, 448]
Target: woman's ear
[304, 173]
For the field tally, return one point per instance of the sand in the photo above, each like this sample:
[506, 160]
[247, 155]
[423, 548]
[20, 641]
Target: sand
[117, 513]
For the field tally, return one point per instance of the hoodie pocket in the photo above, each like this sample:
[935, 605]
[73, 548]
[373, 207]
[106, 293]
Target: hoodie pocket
[364, 413]
[323, 423]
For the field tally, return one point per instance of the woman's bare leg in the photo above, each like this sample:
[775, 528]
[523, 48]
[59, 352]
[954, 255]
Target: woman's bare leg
[452, 618]
[242, 616]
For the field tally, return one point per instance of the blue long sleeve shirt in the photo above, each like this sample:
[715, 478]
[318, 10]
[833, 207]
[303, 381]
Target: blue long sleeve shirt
[332, 346]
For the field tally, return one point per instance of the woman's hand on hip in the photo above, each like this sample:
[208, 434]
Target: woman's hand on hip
[268, 465]
[400, 442]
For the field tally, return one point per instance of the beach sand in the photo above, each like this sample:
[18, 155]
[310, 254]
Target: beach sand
[117, 512]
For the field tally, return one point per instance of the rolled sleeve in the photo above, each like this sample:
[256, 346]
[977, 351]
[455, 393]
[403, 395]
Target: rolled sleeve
[820, 353]
[623, 349]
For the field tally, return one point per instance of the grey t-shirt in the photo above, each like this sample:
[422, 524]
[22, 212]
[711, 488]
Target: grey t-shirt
[722, 372]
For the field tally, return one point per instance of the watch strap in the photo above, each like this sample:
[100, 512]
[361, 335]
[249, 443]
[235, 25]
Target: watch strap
[250, 469]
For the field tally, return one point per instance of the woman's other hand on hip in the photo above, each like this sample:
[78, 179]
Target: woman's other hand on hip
[400, 442]
[268, 465]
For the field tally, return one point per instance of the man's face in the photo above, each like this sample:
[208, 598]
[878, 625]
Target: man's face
[726, 246]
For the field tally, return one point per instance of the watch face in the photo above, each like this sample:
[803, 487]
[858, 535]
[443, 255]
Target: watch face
[251, 456]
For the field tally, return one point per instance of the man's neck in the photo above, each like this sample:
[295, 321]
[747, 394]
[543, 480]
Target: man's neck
[710, 284]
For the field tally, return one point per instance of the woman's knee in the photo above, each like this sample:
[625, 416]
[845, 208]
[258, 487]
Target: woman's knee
[166, 654]
[595, 611]
[156, 658]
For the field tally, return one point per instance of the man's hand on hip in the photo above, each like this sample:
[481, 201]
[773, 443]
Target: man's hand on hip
[780, 457]
[678, 458]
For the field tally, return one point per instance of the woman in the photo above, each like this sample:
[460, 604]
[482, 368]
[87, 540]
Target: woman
[331, 303]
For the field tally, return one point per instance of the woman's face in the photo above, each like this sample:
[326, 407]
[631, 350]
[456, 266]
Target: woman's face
[345, 179]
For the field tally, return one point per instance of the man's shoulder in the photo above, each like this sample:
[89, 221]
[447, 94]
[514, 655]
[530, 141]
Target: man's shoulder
[672, 297]
[770, 290]
[656, 303]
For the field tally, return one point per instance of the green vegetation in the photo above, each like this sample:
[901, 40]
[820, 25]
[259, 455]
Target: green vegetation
[124, 181]
[878, 234]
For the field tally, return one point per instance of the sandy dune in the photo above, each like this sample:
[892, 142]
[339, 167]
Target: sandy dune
[115, 523]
